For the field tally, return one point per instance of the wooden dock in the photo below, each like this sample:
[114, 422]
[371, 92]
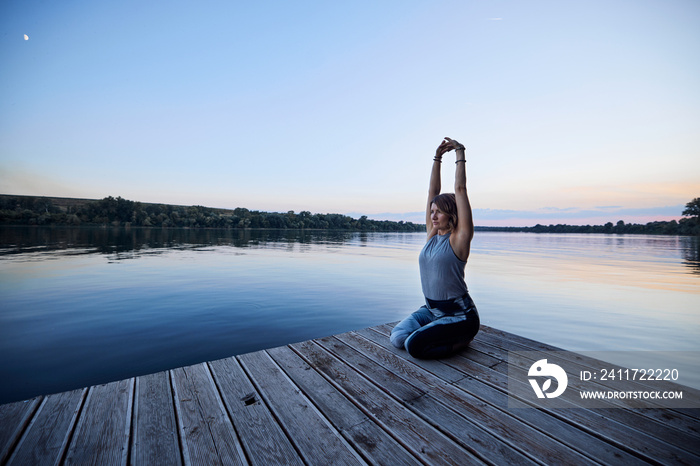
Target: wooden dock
[345, 399]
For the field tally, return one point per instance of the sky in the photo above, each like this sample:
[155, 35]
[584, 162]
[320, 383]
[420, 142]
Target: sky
[571, 112]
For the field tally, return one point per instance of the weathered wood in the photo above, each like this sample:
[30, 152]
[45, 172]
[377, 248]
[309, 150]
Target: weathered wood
[471, 420]
[504, 340]
[315, 438]
[263, 440]
[373, 443]
[679, 427]
[490, 385]
[208, 437]
[409, 429]
[585, 361]
[102, 432]
[47, 435]
[14, 418]
[667, 439]
[575, 364]
[625, 437]
[378, 365]
[650, 419]
[346, 399]
[685, 420]
[154, 439]
[556, 427]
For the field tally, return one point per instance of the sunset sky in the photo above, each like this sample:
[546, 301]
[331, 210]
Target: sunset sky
[571, 112]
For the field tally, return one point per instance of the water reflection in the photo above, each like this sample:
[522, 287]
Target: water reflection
[691, 253]
[75, 312]
[129, 243]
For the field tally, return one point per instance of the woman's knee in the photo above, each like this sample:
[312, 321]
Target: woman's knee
[401, 331]
[408, 326]
[398, 337]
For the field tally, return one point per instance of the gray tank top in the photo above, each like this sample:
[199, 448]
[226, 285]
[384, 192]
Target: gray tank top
[441, 271]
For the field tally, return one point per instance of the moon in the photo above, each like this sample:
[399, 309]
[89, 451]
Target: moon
[26, 37]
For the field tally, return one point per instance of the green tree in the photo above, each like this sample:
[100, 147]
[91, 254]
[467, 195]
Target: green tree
[691, 226]
[692, 209]
[620, 227]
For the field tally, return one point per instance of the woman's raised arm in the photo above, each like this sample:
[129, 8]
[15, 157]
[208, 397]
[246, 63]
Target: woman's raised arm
[461, 238]
[435, 185]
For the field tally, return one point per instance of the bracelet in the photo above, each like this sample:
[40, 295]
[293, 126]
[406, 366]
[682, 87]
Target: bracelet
[463, 160]
[460, 147]
[437, 160]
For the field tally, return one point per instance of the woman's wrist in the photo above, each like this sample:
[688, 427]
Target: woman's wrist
[459, 152]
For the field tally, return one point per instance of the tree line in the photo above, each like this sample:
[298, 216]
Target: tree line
[685, 227]
[30, 210]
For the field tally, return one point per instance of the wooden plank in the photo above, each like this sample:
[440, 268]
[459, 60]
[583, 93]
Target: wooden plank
[558, 428]
[625, 437]
[683, 419]
[417, 436]
[480, 378]
[577, 362]
[478, 423]
[389, 371]
[102, 432]
[262, 438]
[47, 436]
[315, 438]
[373, 443]
[585, 361]
[14, 418]
[489, 385]
[562, 431]
[667, 425]
[384, 329]
[348, 399]
[208, 437]
[664, 435]
[678, 427]
[154, 439]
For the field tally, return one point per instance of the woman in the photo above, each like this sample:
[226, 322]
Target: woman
[449, 320]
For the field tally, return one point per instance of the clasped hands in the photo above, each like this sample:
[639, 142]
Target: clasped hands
[447, 145]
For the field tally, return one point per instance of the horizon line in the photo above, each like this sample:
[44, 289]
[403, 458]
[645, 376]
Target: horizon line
[502, 218]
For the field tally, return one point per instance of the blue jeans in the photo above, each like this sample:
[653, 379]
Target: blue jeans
[437, 329]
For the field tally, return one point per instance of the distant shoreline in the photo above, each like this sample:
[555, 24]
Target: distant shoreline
[63, 211]
[110, 211]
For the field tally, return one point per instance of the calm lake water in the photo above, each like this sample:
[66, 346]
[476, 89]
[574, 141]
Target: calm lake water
[86, 306]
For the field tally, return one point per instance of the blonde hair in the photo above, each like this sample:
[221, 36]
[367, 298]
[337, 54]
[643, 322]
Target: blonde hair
[447, 203]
